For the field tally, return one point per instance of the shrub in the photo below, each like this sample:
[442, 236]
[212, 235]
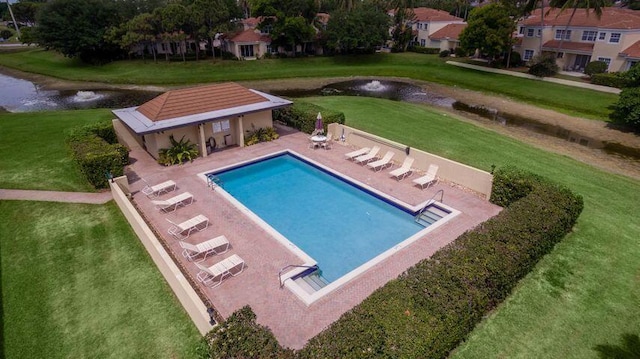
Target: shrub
[425, 50]
[615, 79]
[633, 76]
[95, 149]
[260, 135]
[302, 116]
[178, 153]
[543, 66]
[241, 337]
[444, 53]
[596, 67]
[627, 110]
[6, 34]
[433, 306]
[515, 59]
[461, 52]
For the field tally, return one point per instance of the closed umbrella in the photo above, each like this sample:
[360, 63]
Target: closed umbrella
[319, 126]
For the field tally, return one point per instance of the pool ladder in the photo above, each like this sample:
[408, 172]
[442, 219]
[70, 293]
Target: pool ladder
[214, 181]
[423, 217]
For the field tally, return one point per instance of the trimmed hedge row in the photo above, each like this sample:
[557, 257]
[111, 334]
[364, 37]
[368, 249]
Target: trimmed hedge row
[302, 116]
[425, 50]
[96, 150]
[433, 306]
[614, 79]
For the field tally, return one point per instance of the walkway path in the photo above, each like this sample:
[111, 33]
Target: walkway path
[54, 196]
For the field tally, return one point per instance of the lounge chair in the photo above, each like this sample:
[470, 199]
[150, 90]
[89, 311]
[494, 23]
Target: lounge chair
[356, 153]
[171, 204]
[429, 178]
[214, 275]
[370, 156]
[217, 245]
[404, 170]
[161, 188]
[380, 164]
[184, 229]
[327, 144]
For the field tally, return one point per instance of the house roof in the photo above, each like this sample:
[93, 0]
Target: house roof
[251, 22]
[193, 105]
[632, 51]
[425, 14]
[579, 47]
[250, 35]
[612, 18]
[451, 31]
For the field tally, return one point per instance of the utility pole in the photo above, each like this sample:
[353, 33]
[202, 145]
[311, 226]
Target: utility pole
[15, 23]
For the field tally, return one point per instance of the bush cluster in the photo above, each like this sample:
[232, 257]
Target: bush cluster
[96, 150]
[595, 67]
[543, 66]
[425, 50]
[302, 116]
[260, 135]
[627, 110]
[444, 53]
[433, 306]
[614, 79]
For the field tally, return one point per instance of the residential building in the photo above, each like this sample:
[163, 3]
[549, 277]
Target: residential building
[427, 22]
[448, 37]
[614, 38]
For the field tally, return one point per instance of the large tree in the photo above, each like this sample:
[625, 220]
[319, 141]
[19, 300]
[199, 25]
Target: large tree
[76, 28]
[290, 21]
[489, 30]
[359, 30]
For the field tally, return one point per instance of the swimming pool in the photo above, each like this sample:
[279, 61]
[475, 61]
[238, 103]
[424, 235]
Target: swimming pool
[337, 223]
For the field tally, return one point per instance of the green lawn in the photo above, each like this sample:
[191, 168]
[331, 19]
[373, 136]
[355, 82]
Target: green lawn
[77, 283]
[33, 151]
[569, 100]
[586, 292]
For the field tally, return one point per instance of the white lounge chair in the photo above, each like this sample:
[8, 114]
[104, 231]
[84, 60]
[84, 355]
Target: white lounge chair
[353, 154]
[370, 156]
[171, 204]
[214, 275]
[404, 170]
[327, 144]
[429, 178]
[161, 188]
[380, 164]
[217, 245]
[184, 229]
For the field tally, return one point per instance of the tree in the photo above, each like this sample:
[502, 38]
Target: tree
[213, 16]
[627, 110]
[77, 28]
[489, 30]
[360, 30]
[25, 11]
[290, 20]
[403, 16]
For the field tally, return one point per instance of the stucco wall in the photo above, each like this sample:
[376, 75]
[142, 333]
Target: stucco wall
[258, 120]
[155, 141]
[466, 176]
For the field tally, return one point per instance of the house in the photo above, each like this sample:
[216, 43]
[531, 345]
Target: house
[448, 37]
[427, 22]
[213, 116]
[613, 39]
[249, 44]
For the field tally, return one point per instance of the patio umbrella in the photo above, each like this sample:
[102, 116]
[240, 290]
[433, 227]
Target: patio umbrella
[319, 126]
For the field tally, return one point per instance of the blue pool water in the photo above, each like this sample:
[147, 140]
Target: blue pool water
[336, 223]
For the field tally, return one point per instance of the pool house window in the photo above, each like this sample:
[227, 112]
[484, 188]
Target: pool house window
[589, 36]
[563, 34]
[221, 126]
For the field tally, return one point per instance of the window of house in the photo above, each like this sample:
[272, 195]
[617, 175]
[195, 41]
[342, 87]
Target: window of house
[602, 36]
[272, 49]
[246, 50]
[614, 38]
[529, 32]
[221, 126]
[589, 36]
[521, 30]
[560, 55]
[560, 34]
[266, 29]
[423, 42]
[539, 33]
[631, 64]
[419, 26]
[528, 54]
[606, 60]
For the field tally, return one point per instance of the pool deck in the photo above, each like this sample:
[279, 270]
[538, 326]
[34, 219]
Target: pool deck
[292, 322]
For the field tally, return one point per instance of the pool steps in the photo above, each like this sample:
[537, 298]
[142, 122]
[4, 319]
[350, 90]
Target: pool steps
[430, 215]
[310, 280]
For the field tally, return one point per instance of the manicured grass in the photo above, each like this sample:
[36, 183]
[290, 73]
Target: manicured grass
[586, 292]
[565, 99]
[33, 150]
[77, 283]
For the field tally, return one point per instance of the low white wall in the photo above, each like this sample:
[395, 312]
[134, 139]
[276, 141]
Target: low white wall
[466, 176]
[187, 296]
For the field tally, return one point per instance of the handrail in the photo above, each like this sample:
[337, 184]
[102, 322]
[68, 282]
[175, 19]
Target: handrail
[213, 181]
[290, 266]
[430, 202]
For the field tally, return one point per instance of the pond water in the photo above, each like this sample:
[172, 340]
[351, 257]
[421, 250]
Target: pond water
[17, 95]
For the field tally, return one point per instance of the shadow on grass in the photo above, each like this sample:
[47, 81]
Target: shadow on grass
[629, 349]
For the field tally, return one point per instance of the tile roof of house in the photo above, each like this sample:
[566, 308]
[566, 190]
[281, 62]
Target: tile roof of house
[451, 31]
[428, 14]
[250, 35]
[632, 51]
[612, 18]
[568, 45]
[251, 22]
[195, 105]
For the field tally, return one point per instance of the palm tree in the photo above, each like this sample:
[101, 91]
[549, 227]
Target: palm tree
[595, 5]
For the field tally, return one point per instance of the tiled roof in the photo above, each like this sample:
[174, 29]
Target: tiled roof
[451, 31]
[612, 18]
[568, 45]
[194, 100]
[426, 14]
[250, 35]
[632, 51]
[251, 22]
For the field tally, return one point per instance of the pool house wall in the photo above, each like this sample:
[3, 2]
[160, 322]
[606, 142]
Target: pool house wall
[452, 171]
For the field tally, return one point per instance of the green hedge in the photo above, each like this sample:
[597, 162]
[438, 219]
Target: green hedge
[425, 50]
[433, 306]
[302, 116]
[96, 151]
[614, 79]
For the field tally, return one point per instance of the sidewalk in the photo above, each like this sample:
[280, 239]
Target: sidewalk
[607, 89]
[54, 196]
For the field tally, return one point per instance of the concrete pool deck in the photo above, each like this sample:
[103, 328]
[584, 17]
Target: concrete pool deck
[292, 322]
